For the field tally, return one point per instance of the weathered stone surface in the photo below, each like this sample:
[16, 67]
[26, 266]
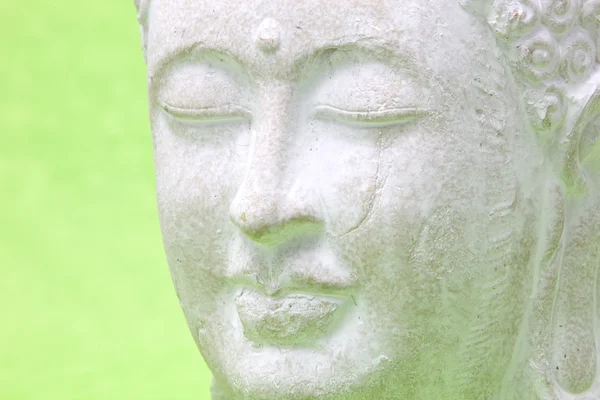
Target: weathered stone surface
[380, 199]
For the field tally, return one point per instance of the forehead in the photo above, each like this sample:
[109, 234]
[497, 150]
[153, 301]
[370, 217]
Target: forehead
[419, 32]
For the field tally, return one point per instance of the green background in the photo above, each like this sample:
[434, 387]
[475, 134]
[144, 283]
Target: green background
[87, 310]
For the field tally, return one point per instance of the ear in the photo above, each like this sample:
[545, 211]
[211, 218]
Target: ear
[574, 316]
[573, 325]
[142, 17]
[588, 151]
[581, 149]
[140, 8]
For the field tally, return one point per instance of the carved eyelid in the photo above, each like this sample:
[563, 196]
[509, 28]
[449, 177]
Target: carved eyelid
[222, 113]
[368, 118]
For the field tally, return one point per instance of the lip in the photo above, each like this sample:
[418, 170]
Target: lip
[293, 319]
[295, 284]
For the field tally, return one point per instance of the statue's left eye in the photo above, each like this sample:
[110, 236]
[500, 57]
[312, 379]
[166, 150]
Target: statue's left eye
[370, 118]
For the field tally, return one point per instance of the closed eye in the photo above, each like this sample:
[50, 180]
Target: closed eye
[370, 119]
[208, 115]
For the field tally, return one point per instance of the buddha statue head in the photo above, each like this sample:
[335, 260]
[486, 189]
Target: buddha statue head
[381, 199]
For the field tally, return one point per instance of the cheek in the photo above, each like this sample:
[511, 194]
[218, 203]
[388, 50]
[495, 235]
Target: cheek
[428, 203]
[197, 175]
[347, 176]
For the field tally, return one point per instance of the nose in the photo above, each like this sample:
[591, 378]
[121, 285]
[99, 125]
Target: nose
[277, 200]
[261, 216]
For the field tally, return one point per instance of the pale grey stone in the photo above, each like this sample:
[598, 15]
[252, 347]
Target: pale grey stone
[382, 199]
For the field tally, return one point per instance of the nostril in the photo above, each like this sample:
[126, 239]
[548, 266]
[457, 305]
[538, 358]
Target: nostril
[265, 222]
[269, 215]
[253, 214]
[282, 232]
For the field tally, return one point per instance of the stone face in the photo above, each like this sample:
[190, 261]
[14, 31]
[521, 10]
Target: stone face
[381, 199]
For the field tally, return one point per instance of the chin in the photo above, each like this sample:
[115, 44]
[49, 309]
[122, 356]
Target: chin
[340, 365]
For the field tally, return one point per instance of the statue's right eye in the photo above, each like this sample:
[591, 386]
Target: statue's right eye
[208, 115]
[209, 91]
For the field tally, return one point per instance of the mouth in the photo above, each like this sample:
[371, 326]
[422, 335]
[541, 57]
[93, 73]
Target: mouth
[294, 319]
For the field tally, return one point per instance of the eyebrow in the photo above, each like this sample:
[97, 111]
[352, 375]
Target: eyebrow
[381, 50]
[188, 52]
